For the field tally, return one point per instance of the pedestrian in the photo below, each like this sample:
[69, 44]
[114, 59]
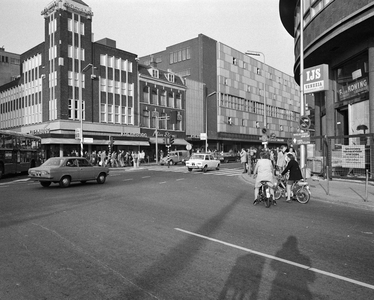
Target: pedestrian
[244, 159]
[294, 173]
[281, 158]
[103, 158]
[263, 172]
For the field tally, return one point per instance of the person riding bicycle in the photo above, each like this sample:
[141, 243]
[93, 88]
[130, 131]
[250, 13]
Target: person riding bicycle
[295, 173]
[263, 172]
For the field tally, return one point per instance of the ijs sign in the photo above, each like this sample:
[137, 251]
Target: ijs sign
[316, 79]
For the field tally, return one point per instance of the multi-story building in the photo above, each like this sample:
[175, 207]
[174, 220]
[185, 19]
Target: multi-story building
[339, 35]
[9, 66]
[162, 107]
[242, 97]
[69, 84]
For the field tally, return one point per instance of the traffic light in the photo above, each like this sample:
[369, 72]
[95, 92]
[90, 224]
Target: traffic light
[167, 140]
[171, 140]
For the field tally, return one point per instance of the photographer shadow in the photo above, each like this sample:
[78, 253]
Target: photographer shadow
[291, 281]
[244, 279]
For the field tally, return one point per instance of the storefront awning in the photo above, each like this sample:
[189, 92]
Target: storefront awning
[47, 141]
[152, 140]
[131, 143]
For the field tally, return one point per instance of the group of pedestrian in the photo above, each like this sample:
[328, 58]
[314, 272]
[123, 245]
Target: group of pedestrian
[116, 159]
[283, 163]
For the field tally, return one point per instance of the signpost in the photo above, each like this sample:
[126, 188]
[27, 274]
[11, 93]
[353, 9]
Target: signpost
[301, 138]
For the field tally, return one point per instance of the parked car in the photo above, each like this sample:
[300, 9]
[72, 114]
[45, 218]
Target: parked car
[202, 161]
[226, 157]
[64, 170]
[175, 157]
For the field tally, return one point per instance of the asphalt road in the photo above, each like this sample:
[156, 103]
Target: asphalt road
[169, 234]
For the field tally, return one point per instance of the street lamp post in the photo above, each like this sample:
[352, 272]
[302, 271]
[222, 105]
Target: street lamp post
[81, 101]
[258, 53]
[206, 119]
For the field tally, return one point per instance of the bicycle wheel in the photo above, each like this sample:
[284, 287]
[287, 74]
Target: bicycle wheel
[278, 192]
[302, 196]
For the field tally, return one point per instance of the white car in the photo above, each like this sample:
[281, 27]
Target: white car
[202, 161]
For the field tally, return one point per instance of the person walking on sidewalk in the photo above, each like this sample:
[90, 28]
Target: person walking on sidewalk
[295, 173]
[244, 159]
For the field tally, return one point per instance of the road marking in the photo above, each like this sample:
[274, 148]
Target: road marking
[162, 182]
[179, 179]
[129, 179]
[146, 176]
[281, 260]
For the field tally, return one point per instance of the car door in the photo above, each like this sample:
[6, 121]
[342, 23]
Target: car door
[72, 169]
[87, 171]
[211, 161]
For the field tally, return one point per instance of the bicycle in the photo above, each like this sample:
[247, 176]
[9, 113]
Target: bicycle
[300, 190]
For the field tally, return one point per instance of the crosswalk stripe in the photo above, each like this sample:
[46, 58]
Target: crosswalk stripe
[221, 172]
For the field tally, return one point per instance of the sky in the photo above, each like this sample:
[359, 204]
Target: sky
[143, 27]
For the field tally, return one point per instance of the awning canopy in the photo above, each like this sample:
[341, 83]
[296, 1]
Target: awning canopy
[47, 141]
[152, 140]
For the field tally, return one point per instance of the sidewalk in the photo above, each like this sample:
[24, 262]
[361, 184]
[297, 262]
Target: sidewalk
[341, 192]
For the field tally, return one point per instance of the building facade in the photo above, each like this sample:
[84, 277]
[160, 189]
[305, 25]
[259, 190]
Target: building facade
[69, 84]
[339, 34]
[162, 107]
[242, 98]
[9, 66]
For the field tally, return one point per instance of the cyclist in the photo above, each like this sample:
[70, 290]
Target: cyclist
[263, 172]
[295, 173]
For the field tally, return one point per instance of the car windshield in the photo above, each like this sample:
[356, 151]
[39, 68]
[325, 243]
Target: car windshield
[197, 156]
[55, 161]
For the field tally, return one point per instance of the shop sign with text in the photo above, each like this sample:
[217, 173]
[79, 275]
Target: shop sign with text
[316, 79]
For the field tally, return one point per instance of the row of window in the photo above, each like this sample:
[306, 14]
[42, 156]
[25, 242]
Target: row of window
[180, 55]
[75, 26]
[149, 120]
[167, 99]
[20, 117]
[110, 113]
[116, 63]
[9, 60]
[237, 103]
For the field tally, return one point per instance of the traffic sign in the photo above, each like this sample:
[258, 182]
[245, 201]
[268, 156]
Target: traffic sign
[301, 138]
[304, 122]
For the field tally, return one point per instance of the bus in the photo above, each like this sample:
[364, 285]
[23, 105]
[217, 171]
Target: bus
[18, 152]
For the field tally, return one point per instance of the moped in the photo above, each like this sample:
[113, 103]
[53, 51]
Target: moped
[264, 194]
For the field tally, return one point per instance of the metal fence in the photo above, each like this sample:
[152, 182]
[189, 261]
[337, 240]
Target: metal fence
[342, 156]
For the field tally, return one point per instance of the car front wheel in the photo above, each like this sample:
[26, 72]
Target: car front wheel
[65, 181]
[217, 168]
[101, 178]
[45, 183]
[205, 169]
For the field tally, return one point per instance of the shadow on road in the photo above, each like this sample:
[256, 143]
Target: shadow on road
[291, 282]
[177, 260]
[244, 279]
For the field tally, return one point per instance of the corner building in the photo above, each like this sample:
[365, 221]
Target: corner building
[69, 82]
[338, 33]
[242, 95]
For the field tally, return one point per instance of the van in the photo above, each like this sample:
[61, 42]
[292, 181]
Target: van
[175, 157]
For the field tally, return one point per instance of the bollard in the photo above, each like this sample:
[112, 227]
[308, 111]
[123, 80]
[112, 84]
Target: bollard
[328, 181]
[366, 185]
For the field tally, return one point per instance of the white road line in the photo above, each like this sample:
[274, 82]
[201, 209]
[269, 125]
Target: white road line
[179, 179]
[146, 176]
[162, 182]
[370, 286]
[129, 179]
